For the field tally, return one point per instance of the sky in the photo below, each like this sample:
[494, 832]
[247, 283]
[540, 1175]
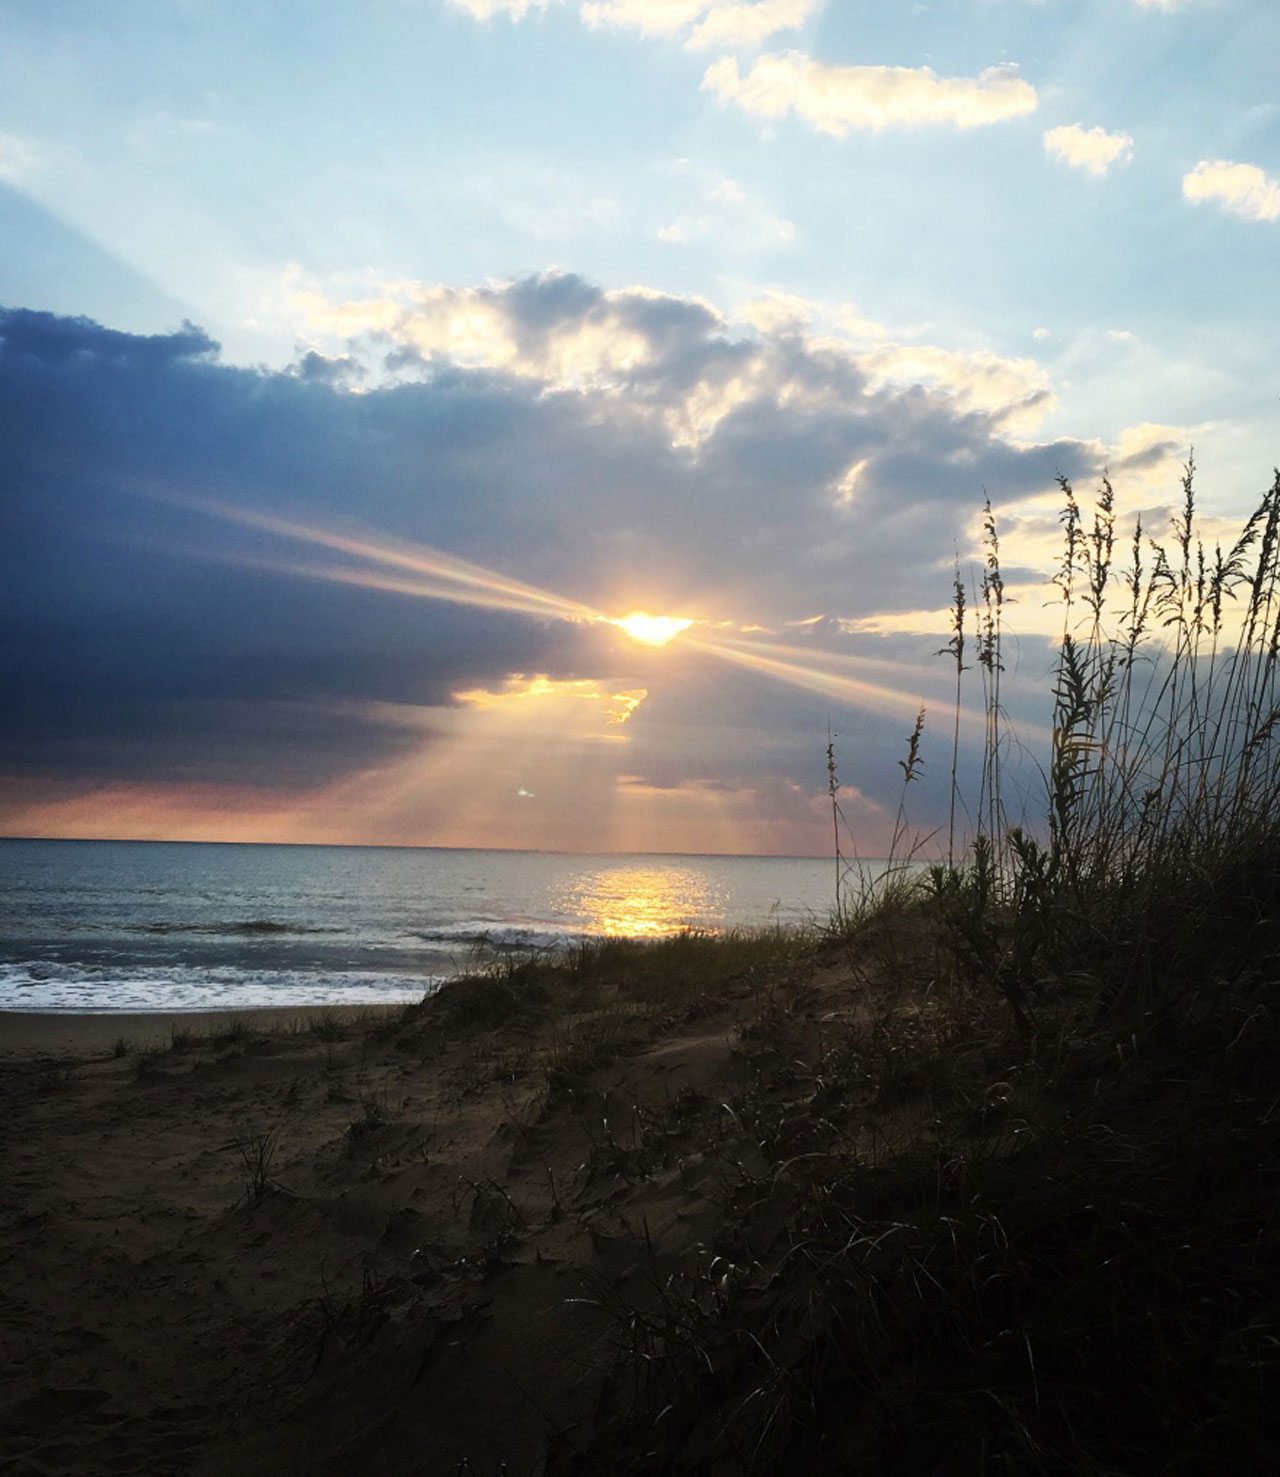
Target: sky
[362, 367]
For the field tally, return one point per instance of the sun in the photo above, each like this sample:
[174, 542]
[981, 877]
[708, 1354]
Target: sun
[654, 630]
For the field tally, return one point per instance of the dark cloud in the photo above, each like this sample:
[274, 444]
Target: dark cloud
[125, 632]
[134, 644]
[338, 371]
[44, 340]
[549, 300]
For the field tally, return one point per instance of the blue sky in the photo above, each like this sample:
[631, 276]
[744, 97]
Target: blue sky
[736, 309]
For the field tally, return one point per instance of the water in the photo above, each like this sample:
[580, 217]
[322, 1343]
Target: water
[173, 926]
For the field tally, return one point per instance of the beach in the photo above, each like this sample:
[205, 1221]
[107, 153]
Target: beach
[350, 1232]
[746, 1204]
[79, 1035]
[325, 1243]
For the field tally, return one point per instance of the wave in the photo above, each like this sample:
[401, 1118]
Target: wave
[244, 928]
[46, 986]
[483, 935]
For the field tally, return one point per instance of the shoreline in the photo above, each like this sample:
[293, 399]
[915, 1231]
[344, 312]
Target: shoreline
[27, 1034]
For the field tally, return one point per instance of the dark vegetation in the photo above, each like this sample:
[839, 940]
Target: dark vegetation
[1020, 1214]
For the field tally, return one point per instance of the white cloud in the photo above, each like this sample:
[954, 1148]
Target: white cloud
[726, 23]
[1015, 393]
[1093, 149]
[777, 311]
[649, 17]
[616, 345]
[728, 192]
[847, 485]
[749, 25]
[836, 99]
[673, 232]
[485, 10]
[1242, 189]
[1149, 457]
[594, 344]
[836, 325]
[556, 697]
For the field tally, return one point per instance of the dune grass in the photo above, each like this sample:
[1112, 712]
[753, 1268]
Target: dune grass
[1024, 1210]
[1155, 860]
[1019, 1210]
[602, 995]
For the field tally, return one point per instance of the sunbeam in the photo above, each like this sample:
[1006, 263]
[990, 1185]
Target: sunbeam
[426, 573]
[811, 674]
[832, 675]
[442, 576]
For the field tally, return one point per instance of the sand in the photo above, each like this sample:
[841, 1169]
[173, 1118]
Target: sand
[387, 1247]
[31, 1035]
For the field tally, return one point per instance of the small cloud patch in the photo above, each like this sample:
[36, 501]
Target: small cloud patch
[1091, 149]
[1240, 189]
[837, 100]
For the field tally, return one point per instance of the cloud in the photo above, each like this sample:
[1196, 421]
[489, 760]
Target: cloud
[837, 99]
[1148, 458]
[559, 332]
[623, 448]
[747, 25]
[1092, 149]
[1016, 393]
[704, 23]
[555, 329]
[728, 192]
[1241, 189]
[485, 10]
[50, 341]
[649, 17]
[608, 709]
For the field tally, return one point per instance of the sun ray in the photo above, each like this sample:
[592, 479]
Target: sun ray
[441, 576]
[422, 572]
[832, 675]
[392, 584]
[811, 675]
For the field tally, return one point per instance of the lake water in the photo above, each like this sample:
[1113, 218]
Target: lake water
[175, 926]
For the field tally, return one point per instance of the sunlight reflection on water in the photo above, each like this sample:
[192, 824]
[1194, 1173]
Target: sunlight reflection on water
[643, 902]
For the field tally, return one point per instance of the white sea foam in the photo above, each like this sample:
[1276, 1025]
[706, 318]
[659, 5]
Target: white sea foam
[41, 987]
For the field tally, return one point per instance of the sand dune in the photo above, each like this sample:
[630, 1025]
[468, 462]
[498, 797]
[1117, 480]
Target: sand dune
[392, 1247]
